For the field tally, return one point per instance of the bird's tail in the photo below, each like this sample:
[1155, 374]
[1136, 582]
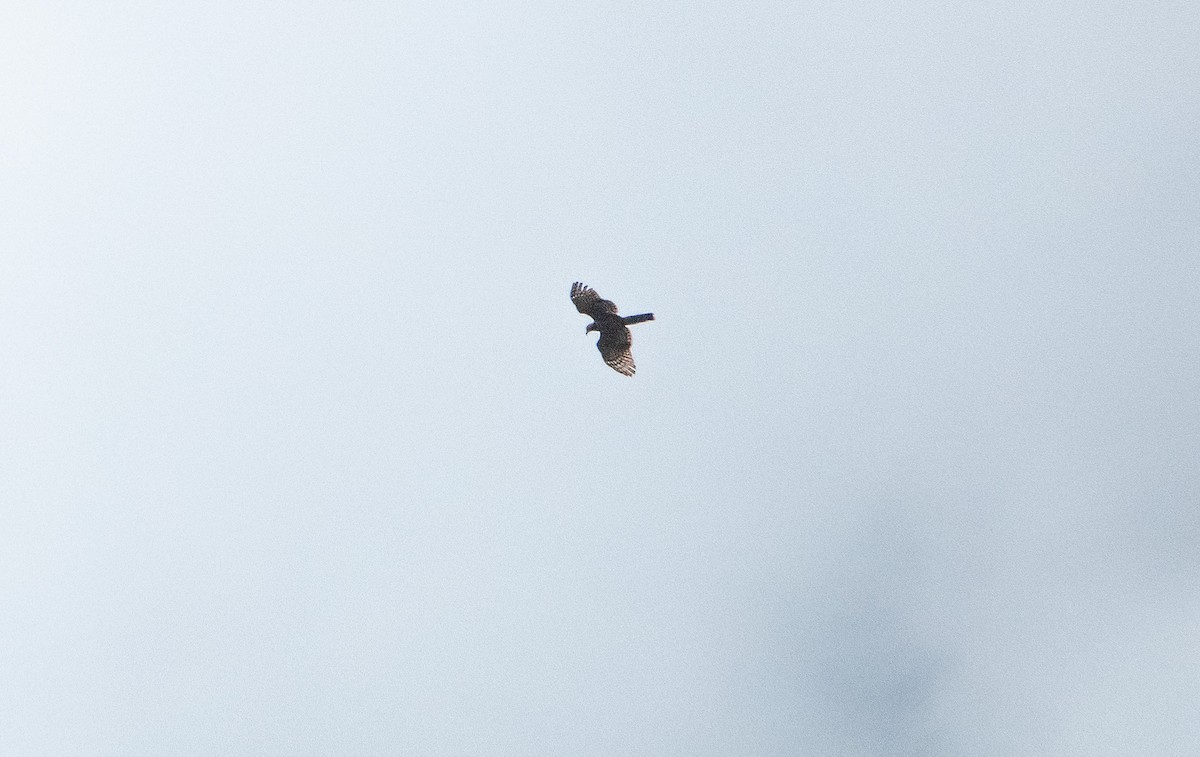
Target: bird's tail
[638, 318]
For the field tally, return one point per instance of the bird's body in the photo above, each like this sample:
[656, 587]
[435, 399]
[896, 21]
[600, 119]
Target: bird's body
[615, 338]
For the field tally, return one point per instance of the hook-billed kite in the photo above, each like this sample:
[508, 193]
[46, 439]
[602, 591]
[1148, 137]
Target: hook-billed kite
[614, 336]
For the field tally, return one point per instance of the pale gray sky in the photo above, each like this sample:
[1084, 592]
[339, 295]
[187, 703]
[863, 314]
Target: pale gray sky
[305, 450]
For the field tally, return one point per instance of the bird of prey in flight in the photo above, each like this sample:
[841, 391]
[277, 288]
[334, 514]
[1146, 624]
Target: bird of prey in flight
[614, 336]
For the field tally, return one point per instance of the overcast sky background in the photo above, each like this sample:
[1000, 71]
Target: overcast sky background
[305, 450]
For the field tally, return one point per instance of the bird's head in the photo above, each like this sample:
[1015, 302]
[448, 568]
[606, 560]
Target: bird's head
[591, 327]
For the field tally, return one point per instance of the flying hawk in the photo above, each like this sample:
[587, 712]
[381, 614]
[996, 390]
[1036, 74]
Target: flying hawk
[614, 337]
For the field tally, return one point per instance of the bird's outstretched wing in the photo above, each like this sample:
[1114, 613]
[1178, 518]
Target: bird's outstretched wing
[614, 348]
[589, 303]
